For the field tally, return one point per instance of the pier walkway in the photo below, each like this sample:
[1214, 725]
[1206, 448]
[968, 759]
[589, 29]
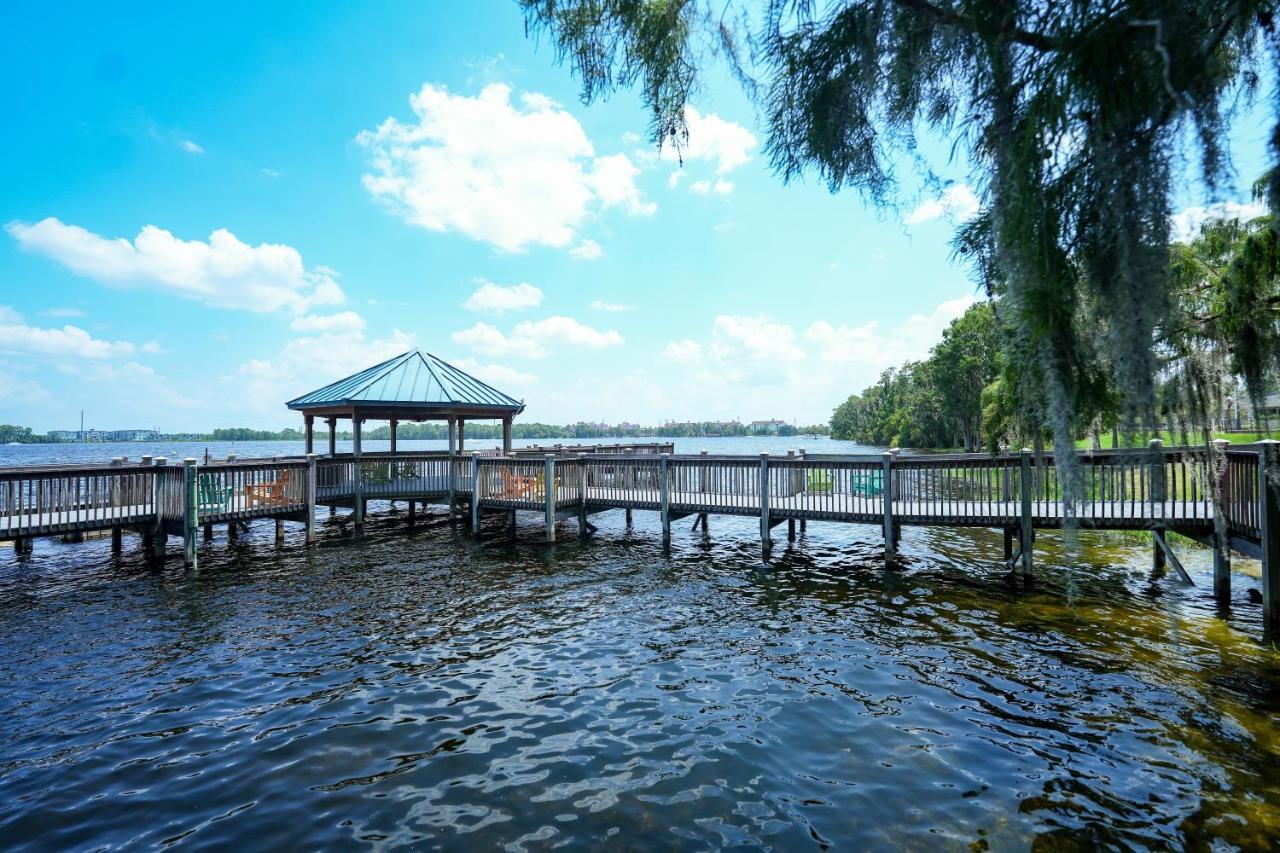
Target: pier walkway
[1220, 498]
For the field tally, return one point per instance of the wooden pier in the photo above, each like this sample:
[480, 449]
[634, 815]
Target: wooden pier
[1228, 498]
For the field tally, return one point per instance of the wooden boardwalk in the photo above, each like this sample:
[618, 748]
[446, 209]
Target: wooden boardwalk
[1222, 497]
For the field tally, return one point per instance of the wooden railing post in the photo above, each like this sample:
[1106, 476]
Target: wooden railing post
[1269, 516]
[664, 496]
[1221, 529]
[886, 498]
[765, 541]
[549, 494]
[357, 464]
[582, 495]
[191, 503]
[311, 497]
[159, 537]
[1156, 498]
[475, 494]
[1026, 532]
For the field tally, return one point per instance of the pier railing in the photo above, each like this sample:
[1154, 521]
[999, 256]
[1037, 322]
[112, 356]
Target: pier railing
[1188, 489]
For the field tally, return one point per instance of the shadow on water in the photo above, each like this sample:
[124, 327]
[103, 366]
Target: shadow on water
[419, 688]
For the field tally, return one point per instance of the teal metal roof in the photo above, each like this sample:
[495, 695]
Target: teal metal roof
[414, 379]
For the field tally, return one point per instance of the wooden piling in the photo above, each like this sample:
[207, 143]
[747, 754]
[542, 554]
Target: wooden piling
[117, 540]
[664, 497]
[475, 495]
[549, 494]
[1156, 493]
[1026, 532]
[311, 498]
[1269, 491]
[1221, 533]
[191, 502]
[766, 541]
[886, 498]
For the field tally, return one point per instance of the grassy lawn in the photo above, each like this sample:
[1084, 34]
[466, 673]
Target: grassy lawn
[1171, 439]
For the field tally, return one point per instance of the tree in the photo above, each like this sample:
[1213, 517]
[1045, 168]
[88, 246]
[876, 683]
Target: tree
[1074, 117]
[963, 364]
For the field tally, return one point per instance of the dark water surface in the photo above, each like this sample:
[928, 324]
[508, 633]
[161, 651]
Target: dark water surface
[420, 689]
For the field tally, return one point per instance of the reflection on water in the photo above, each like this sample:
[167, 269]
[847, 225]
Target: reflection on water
[422, 689]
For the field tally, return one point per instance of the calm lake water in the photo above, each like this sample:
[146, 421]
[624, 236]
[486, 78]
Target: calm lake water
[421, 689]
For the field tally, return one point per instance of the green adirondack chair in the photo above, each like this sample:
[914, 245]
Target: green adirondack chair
[818, 481]
[212, 496]
[867, 483]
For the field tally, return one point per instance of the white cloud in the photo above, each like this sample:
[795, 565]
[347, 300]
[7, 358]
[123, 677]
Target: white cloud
[62, 312]
[723, 187]
[873, 350]
[1186, 224]
[70, 342]
[512, 175]
[753, 338]
[224, 272]
[614, 183]
[957, 203]
[727, 144]
[683, 351]
[500, 376]
[263, 385]
[494, 298]
[271, 173]
[343, 321]
[587, 250]
[601, 305]
[534, 339]
[700, 187]
[190, 147]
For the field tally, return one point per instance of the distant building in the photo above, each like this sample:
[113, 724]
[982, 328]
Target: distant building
[769, 427]
[64, 434]
[122, 435]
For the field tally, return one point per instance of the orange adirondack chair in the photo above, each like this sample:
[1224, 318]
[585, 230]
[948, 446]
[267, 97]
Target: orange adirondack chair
[513, 487]
[271, 494]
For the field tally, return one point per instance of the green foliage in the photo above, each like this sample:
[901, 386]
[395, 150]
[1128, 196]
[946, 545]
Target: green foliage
[10, 434]
[1075, 116]
[935, 403]
[246, 434]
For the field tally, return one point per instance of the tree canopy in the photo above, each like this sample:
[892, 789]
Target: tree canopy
[1078, 118]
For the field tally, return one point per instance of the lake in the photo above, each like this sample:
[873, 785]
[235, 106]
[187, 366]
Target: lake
[417, 688]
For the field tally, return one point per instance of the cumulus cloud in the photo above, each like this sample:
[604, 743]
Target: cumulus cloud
[494, 298]
[500, 376]
[343, 321]
[713, 142]
[1186, 224]
[508, 174]
[535, 339]
[725, 144]
[684, 351]
[753, 338]
[223, 272]
[309, 361]
[587, 250]
[957, 202]
[70, 342]
[601, 305]
[873, 350]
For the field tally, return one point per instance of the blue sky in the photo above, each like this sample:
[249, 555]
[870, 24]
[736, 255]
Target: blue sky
[209, 210]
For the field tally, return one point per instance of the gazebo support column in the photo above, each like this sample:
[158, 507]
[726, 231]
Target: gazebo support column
[394, 425]
[506, 436]
[359, 471]
[453, 435]
[462, 434]
[333, 436]
[310, 433]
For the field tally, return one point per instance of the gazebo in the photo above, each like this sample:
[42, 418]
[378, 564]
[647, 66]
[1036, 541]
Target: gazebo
[413, 386]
